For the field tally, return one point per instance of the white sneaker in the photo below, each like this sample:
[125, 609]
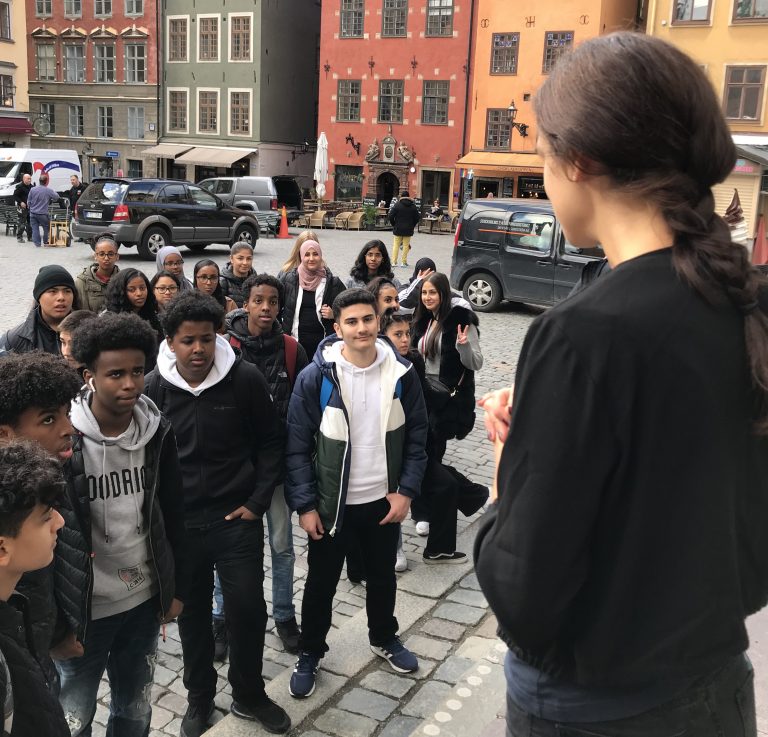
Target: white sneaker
[401, 562]
[422, 528]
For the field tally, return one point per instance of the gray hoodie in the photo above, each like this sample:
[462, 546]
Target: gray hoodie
[123, 571]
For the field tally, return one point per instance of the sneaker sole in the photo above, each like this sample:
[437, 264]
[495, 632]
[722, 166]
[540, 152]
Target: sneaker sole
[376, 651]
[445, 561]
[281, 729]
[302, 696]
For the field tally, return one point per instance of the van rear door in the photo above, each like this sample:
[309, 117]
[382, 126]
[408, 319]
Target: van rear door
[528, 265]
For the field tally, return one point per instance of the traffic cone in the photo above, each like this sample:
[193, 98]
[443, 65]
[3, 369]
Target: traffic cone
[283, 233]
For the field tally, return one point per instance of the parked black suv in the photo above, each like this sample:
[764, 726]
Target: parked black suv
[514, 249]
[152, 213]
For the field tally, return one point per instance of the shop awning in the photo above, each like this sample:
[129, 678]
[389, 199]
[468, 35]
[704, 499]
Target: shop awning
[499, 160]
[166, 150]
[214, 156]
[759, 154]
[15, 125]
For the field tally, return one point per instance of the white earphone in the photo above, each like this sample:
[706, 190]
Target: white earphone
[91, 385]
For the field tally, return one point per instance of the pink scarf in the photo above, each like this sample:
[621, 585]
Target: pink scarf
[310, 280]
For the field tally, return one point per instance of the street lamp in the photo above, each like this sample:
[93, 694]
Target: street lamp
[521, 127]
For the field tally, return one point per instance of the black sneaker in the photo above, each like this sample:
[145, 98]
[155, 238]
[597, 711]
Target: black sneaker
[302, 682]
[271, 716]
[397, 655]
[196, 720]
[289, 633]
[432, 559]
[220, 640]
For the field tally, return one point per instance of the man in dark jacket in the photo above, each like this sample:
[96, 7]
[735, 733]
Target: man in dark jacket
[74, 192]
[231, 451]
[404, 218]
[256, 332]
[20, 195]
[31, 484]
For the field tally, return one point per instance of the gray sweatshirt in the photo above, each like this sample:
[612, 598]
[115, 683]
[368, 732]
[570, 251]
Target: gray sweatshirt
[40, 198]
[123, 570]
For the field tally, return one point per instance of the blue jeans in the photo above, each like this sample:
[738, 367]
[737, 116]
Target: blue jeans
[126, 646]
[37, 222]
[283, 558]
[719, 705]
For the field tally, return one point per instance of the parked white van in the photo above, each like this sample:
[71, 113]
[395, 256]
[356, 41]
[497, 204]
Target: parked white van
[58, 164]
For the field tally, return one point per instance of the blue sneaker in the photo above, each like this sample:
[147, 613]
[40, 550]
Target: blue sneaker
[303, 677]
[397, 655]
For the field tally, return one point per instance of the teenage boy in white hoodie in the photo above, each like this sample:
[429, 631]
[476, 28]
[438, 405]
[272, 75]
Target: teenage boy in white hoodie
[230, 441]
[355, 455]
[124, 528]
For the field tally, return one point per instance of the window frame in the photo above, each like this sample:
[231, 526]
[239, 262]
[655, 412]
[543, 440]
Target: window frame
[47, 8]
[744, 85]
[340, 173]
[135, 173]
[381, 97]
[424, 97]
[73, 13]
[545, 69]
[354, 12]
[439, 14]
[96, 59]
[705, 22]
[170, 92]
[134, 13]
[231, 17]
[106, 9]
[49, 115]
[488, 112]
[170, 40]
[514, 35]
[6, 25]
[208, 17]
[240, 91]
[7, 82]
[52, 59]
[749, 19]
[65, 65]
[349, 96]
[140, 117]
[109, 121]
[400, 10]
[131, 66]
[208, 131]
[79, 113]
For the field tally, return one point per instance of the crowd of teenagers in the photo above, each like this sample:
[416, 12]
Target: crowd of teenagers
[176, 416]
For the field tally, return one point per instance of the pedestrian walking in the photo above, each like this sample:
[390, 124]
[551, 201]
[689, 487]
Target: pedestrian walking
[372, 261]
[633, 474]
[239, 268]
[38, 201]
[404, 217]
[353, 492]
[20, 195]
[93, 280]
[231, 451]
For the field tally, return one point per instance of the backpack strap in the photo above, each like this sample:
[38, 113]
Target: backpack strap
[326, 389]
[291, 351]
[7, 698]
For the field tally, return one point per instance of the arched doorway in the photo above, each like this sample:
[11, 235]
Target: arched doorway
[387, 187]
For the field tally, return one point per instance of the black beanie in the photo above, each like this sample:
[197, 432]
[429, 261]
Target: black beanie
[52, 276]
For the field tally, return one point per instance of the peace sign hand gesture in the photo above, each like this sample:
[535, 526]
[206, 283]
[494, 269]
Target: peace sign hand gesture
[462, 338]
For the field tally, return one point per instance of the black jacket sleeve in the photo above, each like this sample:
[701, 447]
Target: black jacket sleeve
[532, 555]
[414, 451]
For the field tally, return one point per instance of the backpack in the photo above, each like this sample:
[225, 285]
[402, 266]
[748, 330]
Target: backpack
[291, 346]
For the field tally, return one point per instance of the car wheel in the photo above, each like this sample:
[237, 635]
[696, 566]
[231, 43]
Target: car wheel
[152, 241]
[247, 234]
[483, 292]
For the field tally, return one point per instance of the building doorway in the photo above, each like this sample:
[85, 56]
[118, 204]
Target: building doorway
[484, 187]
[436, 185]
[101, 166]
[387, 187]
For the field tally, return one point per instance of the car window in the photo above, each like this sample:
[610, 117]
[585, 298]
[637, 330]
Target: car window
[105, 193]
[173, 194]
[529, 230]
[202, 199]
[588, 251]
[224, 186]
[485, 225]
[209, 185]
[140, 192]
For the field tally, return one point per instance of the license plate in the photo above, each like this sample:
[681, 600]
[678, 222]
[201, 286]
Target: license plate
[93, 215]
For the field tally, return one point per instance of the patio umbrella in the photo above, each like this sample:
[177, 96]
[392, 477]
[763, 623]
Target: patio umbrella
[321, 165]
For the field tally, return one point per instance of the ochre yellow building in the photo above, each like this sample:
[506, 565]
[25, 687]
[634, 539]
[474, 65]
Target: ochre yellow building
[14, 78]
[729, 38]
[515, 45]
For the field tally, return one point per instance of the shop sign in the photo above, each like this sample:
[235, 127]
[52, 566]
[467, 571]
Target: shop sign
[744, 167]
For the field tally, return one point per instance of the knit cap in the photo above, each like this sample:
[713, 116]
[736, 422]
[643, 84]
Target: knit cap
[52, 276]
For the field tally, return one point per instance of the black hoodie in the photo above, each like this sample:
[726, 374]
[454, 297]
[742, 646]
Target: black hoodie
[404, 217]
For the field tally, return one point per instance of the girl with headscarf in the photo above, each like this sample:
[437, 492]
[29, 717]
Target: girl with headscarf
[169, 259]
[310, 289]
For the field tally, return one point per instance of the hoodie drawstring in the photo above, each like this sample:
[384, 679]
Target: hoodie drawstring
[105, 483]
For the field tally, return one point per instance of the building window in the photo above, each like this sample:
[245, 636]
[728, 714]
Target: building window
[391, 101]
[691, 11]
[440, 18]
[7, 90]
[74, 63]
[135, 122]
[240, 37]
[177, 110]
[348, 183]
[177, 39]
[750, 10]
[43, 7]
[352, 12]
[504, 53]
[135, 168]
[48, 111]
[498, 129]
[103, 7]
[104, 63]
[73, 8]
[208, 111]
[348, 101]
[208, 39]
[240, 112]
[744, 92]
[5, 22]
[104, 127]
[135, 63]
[394, 18]
[46, 62]
[76, 120]
[435, 103]
[556, 43]
[134, 7]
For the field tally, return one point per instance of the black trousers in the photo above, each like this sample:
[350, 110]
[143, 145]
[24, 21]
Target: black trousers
[378, 545]
[24, 224]
[236, 548]
[438, 499]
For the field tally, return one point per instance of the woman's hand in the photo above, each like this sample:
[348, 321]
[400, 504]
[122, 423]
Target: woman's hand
[177, 606]
[424, 273]
[497, 406]
[462, 338]
[326, 311]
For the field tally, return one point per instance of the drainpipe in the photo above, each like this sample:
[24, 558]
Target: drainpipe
[467, 91]
[159, 51]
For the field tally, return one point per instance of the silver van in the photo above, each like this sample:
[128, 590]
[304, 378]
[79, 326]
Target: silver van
[261, 194]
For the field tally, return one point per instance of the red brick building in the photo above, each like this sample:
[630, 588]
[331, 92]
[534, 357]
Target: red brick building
[393, 86]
